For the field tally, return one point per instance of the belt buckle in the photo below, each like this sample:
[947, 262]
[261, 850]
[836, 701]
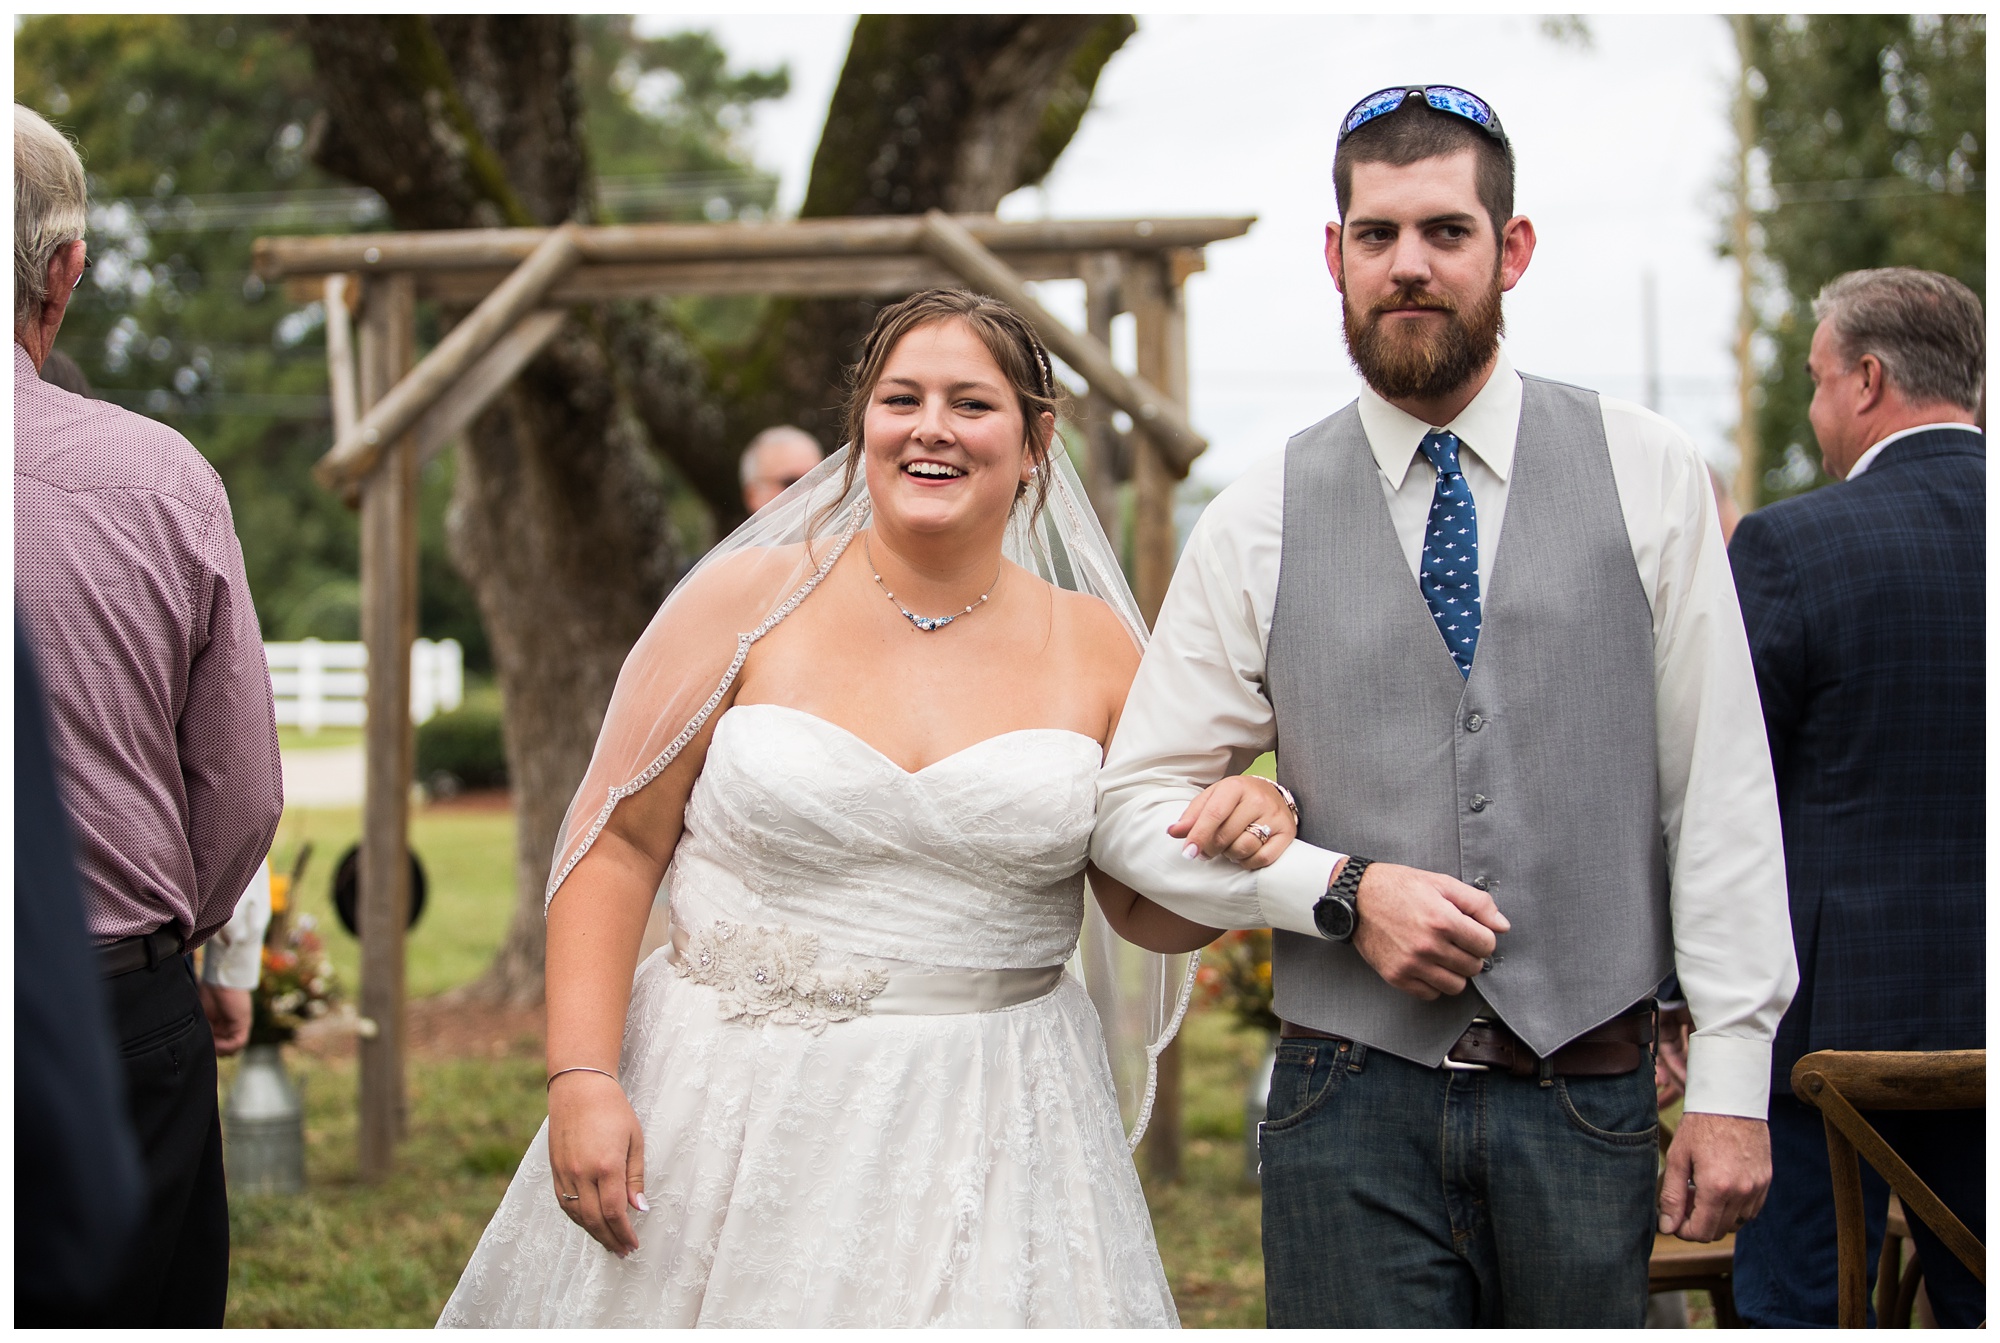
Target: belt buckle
[1458, 1067]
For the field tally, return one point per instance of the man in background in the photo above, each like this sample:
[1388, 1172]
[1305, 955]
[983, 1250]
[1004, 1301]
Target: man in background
[775, 461]
[1866, 607]
[130, 582]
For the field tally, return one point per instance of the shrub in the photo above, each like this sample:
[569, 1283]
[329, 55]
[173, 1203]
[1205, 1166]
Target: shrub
[464, 748]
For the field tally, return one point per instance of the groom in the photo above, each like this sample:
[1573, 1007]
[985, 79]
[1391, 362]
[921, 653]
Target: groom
[1487, 622]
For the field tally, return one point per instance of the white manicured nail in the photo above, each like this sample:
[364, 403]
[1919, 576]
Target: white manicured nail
[639, 1202]
[1191, 851]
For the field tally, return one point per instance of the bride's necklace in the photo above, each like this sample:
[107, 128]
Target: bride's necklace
[927, 624]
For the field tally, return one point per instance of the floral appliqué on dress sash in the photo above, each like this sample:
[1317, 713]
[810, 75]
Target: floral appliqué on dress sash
[766, 974]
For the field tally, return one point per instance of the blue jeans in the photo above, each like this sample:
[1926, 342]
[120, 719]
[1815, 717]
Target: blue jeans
[1787, 1267]
[1397, 1195]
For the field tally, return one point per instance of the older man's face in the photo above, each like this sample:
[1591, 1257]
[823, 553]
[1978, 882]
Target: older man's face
[779, 466]
[1835, 410]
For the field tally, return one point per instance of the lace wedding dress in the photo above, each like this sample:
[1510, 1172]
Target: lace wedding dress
[834, 1134]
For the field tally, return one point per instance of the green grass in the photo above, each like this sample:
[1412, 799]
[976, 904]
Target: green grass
[291, 739]
[349, 1255]
[468, 857]
[1208, 1225]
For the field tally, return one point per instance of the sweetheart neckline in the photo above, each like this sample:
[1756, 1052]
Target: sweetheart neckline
[889, 760]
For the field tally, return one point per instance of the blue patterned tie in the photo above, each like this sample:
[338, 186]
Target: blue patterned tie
[1450, 572]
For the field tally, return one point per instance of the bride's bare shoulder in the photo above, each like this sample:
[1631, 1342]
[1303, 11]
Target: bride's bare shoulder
[1090, 627]
[758, 577]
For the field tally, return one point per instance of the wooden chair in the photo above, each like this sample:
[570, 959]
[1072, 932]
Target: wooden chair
[1842, 1084]
[1897, 1281]
[1679, 1265]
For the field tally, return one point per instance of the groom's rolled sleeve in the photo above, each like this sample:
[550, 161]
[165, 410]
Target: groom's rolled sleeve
[1196, 714]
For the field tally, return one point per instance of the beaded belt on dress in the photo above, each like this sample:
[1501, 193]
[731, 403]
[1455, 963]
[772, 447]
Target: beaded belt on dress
[772, 974]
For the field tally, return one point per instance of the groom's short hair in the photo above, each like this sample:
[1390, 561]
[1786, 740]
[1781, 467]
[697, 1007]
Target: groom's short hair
[1417, 131]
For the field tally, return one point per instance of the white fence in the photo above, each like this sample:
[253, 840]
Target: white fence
[320, 685]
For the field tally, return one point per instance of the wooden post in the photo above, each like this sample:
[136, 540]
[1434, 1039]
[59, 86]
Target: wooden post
[388, 627]
[1155, 298]
[1101, 303]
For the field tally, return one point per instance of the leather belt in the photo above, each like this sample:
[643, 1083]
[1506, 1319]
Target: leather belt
[140, 952]
[1620, 1046]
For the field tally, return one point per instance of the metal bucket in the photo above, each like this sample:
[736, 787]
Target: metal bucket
[264, 1127]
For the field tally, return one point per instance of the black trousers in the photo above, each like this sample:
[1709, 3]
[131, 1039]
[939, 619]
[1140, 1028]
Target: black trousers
[178, 1272]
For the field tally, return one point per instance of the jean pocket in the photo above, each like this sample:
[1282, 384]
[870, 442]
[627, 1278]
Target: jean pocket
[1300, 1080]
[1616, 1110]
[159, 1037]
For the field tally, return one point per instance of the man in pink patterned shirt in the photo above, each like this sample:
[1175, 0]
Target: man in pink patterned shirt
[130, 581]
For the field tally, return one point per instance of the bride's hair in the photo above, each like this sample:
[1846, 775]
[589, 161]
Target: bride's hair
[1008, 338]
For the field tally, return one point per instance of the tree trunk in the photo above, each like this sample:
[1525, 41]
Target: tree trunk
[558, 519]
[950, 112]
[558, 516]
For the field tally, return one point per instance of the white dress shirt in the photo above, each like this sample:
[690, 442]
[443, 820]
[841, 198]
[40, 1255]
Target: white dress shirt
[1868, 457]
[234, 957]
[1198, 712]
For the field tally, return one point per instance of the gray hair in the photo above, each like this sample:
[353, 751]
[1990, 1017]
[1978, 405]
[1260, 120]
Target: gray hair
[1928, 330]
[49, 206]
[746, 467]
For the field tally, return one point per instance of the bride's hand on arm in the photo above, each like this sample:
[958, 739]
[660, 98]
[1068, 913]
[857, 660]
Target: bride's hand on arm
[596, 924]
[1220, 819]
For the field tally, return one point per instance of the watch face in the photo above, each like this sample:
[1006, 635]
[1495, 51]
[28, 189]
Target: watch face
[1335, 917]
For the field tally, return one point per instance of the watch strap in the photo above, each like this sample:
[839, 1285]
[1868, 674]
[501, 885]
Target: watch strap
[1348, 883]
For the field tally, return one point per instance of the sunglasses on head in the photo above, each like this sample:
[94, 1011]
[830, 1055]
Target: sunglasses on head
[1443, 97]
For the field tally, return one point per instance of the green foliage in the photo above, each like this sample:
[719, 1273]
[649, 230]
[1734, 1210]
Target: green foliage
[195, 132]
[666, 105]
[1873, 127]
[467, 744]
[169, 321]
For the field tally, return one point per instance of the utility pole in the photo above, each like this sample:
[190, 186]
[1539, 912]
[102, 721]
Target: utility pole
[1748, 466]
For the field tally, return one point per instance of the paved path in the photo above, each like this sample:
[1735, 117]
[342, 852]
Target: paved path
[324, 777]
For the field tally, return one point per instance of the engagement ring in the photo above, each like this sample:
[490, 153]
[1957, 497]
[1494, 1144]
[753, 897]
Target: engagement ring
[1260, 830]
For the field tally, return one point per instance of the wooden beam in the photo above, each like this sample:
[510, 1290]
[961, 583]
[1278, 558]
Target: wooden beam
[388, 615]
[340, 355]
[1156, 302]
[1149, 407]
[485, 380]
[1101, 303]
[792, 277]
[355, 455]
[476, 249]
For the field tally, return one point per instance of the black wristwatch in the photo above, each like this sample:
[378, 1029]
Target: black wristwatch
[1336, 913]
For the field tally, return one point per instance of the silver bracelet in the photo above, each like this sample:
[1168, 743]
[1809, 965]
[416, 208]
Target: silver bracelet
[580, 1068]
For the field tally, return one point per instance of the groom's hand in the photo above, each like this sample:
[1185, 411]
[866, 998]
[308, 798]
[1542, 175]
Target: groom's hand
[1718, 1171]
[1423, 932]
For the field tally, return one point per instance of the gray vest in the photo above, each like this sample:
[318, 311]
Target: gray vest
[1536, 777]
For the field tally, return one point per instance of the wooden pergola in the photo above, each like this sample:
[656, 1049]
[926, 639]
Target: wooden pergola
[391, 412]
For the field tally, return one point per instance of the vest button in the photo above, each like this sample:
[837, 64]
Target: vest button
[1474, 722]
[1479, 802]
[1483, 883]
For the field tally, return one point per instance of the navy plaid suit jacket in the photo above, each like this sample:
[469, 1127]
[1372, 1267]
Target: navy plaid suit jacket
[1865, 604]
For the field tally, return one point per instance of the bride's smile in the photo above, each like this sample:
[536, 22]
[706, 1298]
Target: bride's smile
[947, 447]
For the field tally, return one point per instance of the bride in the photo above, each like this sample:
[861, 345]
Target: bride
[859, 743]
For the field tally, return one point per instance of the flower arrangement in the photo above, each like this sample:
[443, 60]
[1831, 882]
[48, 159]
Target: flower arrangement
[1235, 975]
[297, 983]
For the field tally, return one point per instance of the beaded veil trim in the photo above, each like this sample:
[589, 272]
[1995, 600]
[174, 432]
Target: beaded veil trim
[695, 724]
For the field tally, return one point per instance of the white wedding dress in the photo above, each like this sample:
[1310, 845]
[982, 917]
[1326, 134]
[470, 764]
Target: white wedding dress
[810, 1161]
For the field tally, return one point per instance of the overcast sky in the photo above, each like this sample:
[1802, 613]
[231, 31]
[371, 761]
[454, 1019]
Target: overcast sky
[1622, 148]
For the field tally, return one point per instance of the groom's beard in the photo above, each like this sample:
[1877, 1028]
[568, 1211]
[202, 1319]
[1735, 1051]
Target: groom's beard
[1423, 360]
